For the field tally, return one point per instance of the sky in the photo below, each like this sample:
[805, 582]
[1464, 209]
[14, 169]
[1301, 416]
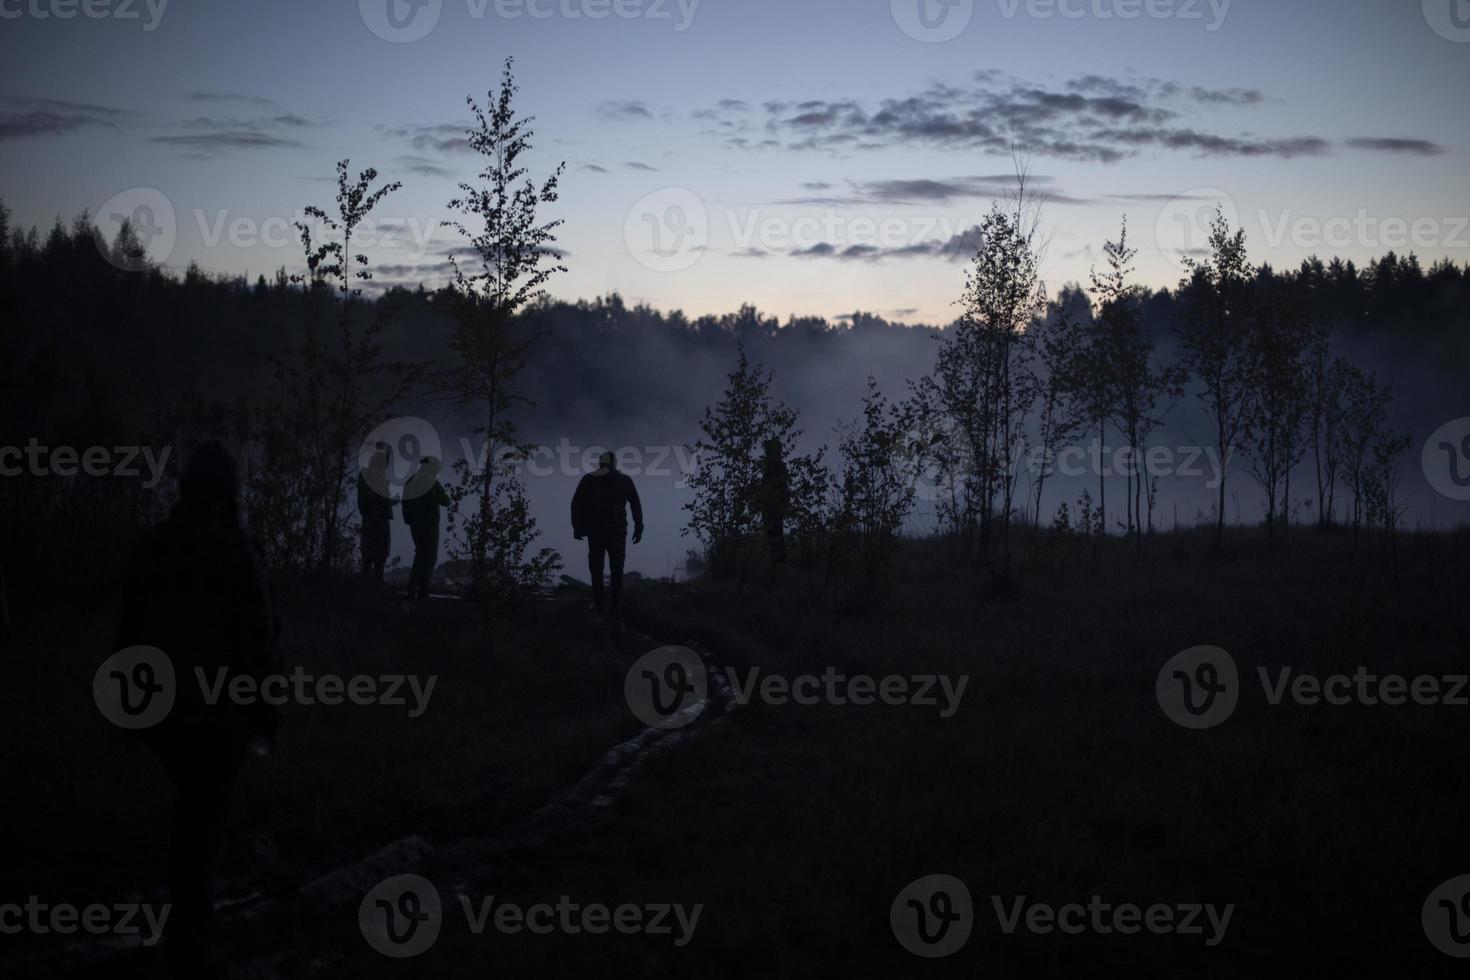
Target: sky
[813, 157]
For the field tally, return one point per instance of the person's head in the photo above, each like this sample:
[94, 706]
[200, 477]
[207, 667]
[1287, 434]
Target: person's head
[209, 486]
[378, 461]
[773, 448]
[607, 463]
[428, 468]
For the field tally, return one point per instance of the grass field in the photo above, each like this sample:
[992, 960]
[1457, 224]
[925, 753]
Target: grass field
[794, 827]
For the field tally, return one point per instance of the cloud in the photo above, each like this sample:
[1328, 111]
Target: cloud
[635, 165]
[1090, 118]
[957, 247]
[211, 135]
[918, 191]
[1210, 144]
[1392, 144]
[626, 110]
[422, 166]
[212, 144]
[256, 100]
[1228, 96]
[432, 137]
[23, 118]
[594, 168]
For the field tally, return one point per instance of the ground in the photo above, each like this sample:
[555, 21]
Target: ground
[1057, 777]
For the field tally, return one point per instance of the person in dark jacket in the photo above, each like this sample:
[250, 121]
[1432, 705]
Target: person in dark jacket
[423, 499]
[600, 514]
[775, 497]
[375, 507]
[197, 590]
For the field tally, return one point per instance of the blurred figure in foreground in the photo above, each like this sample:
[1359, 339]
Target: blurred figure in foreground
[423, 498]
[375, 507]
[197, 590]
[600, 514]
[4, 610]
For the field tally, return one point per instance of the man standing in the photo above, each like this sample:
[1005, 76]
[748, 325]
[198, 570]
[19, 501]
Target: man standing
[423, 498]
[375, 507]
[600, 514]
[775, 497]
[197, 590]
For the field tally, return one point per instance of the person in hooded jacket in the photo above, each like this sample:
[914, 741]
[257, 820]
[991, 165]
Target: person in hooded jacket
[197, 591]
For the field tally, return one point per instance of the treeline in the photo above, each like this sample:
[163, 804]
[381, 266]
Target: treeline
[100, 348]
[1020, 374]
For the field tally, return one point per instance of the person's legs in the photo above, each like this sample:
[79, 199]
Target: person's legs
[415, 569]
[596, 549]
[374, 550]
[203, 770]
[431, 558]
[425, 557]
[617, 552]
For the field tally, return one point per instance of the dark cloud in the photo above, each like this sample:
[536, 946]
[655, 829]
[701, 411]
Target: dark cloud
[257, 100]
[1210, 144]
[432, 137]
[594, 168]
[1091, 118]
[624, 110]
[423, 166]
[210, 144]
[956, 248]
[635, 165]
[1393, 144]
[930, 191]
[1227, 96]
[22, 118]
[218, 133]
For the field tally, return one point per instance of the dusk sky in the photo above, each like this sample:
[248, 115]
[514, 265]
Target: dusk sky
[811, 158]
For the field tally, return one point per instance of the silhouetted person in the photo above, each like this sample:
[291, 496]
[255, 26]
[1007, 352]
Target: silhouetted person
[4, 610]
[375, 506]
[423, 498]
[600, 514]
[197, 590]
[775, 497]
